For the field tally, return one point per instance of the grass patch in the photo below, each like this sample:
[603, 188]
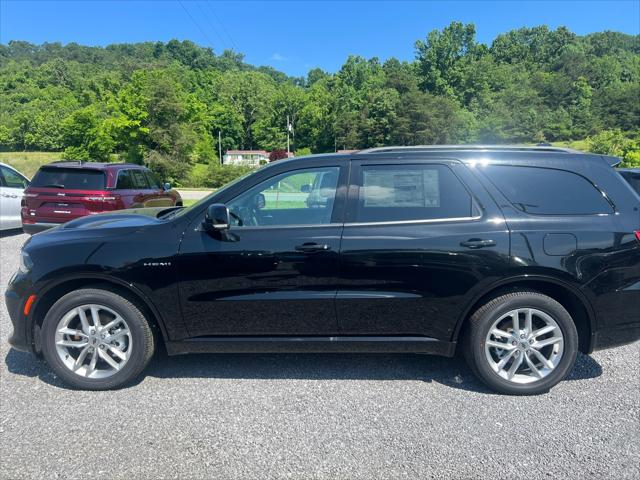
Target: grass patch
[189, 202]
[28, 163]
[582, 145]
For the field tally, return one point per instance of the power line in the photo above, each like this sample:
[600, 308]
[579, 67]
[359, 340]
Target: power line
[196, 24]
[206, 18]
[211, 9]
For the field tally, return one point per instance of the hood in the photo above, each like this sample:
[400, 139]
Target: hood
[136, 217]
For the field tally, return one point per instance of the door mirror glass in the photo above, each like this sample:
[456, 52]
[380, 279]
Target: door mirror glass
[260, 201]
[305, 188]
[216, 218]
[167, 186]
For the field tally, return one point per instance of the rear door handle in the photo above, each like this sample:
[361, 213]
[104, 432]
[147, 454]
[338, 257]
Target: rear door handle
[313, 247]
[478, 243]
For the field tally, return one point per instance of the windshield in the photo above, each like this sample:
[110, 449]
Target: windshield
[202, 201]
[69, 179]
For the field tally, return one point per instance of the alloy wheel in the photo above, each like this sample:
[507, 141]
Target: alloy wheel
[524, 345]
[93, 341]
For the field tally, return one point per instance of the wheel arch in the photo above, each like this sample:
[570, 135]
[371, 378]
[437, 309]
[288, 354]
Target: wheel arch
[568, 296]
[54, 292]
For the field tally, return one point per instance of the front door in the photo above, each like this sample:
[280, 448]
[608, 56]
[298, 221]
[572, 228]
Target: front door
[420, 238]
[12, 186]
[275, 270]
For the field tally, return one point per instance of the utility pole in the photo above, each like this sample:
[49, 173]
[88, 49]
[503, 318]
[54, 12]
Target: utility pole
[288, 131]
[220, 145]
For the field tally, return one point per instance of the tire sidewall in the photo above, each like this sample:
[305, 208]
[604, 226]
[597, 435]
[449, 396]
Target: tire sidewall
[539, 302]
[128, 312]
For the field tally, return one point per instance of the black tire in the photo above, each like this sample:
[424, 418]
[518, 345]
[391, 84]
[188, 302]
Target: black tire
[482, 320]
[142, 339]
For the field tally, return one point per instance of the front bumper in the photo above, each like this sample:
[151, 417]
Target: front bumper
[32, 228]
[18, 291]
[18, 338]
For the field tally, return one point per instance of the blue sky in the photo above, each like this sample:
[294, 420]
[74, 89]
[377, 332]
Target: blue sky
[297, 36]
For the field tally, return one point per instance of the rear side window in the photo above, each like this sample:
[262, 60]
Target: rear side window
[125, 182]
[69, 178]
[139, 179]
[633, 178]
[410, 192]
[153, 180]
[547, 191]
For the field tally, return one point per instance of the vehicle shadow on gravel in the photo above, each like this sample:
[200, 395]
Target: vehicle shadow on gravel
[11, 233]
[451, 372]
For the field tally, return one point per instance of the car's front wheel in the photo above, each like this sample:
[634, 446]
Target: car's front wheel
[95, 339]
[521, 343]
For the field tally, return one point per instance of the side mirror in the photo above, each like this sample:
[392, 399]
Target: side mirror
[305, 188]
[260, 201]
[216, 218]
[167, 186]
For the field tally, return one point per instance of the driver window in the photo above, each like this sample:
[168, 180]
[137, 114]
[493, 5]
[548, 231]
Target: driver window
[300, 197]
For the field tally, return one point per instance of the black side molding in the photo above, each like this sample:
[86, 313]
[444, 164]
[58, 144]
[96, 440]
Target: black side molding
[362, 344]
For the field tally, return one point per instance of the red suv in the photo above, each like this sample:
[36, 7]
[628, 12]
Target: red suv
[62, 191]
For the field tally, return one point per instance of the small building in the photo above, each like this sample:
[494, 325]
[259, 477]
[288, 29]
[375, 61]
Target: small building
[250, 158]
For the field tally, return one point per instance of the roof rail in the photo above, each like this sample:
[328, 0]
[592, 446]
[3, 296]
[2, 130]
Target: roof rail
[508, 148]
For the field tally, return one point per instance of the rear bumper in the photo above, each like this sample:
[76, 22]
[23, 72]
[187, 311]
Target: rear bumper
[32, 228]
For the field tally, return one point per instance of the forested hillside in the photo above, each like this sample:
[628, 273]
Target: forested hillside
[164, 103]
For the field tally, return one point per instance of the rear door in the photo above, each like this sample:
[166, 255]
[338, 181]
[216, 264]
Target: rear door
[420, 239]
[144, 194]
[12, 186]
[161, 198]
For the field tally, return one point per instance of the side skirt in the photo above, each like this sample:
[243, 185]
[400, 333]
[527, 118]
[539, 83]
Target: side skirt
[347, 344]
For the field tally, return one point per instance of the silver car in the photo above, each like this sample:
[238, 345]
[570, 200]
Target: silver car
[12, 185]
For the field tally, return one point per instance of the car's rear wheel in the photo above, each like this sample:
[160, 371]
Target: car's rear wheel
[521, 343]
[96, 339]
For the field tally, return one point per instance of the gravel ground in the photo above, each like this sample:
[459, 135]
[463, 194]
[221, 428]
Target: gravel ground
[315, 416]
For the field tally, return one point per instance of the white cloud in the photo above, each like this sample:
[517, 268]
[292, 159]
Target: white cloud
[278, 58]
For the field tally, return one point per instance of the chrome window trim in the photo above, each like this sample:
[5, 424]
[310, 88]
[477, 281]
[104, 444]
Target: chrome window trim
[360, 224]
[416, 222]
[237, 228]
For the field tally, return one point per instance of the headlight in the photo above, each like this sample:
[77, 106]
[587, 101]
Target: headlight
[25, 262]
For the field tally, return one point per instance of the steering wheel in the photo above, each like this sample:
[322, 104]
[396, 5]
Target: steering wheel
[249, 214]
[237, 217]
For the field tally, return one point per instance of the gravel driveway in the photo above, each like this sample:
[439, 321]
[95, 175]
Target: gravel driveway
[315, 416]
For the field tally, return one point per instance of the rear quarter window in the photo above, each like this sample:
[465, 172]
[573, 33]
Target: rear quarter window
[69, 179]
[125, 181]
[548, 191]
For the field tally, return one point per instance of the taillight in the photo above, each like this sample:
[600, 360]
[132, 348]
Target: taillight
[638, 235]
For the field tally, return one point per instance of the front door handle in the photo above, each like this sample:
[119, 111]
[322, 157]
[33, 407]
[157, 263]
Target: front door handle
[478, 243]
[313, 247]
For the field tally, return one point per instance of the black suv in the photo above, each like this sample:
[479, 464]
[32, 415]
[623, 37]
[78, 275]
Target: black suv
[516, 257]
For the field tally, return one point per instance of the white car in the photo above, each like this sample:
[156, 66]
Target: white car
[12, 185]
